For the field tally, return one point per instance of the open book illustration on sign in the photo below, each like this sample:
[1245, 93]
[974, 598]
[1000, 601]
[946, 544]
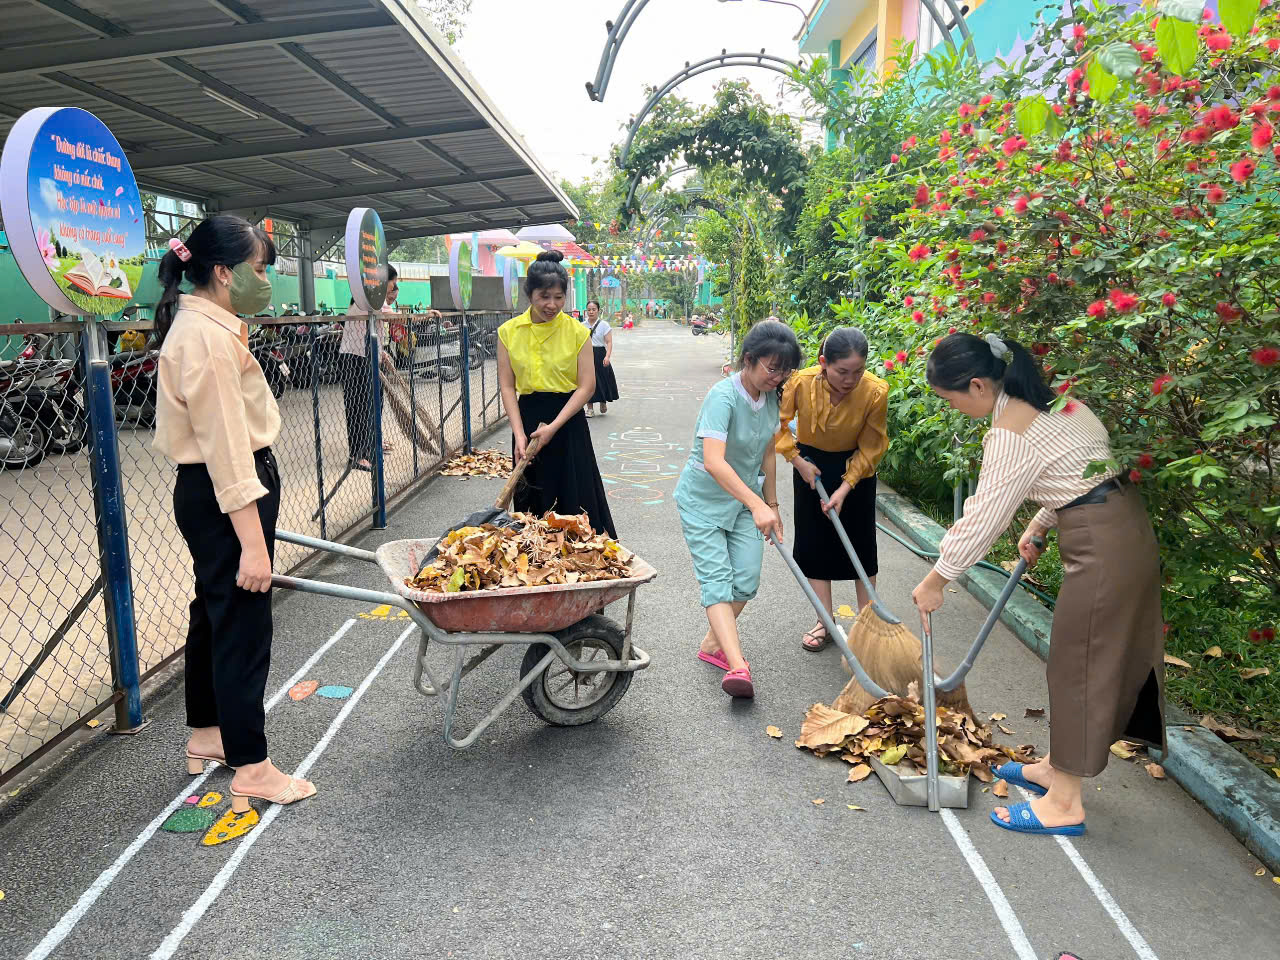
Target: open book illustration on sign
[99, 279]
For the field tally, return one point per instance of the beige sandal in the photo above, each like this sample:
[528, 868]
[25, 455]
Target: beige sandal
[196, 762]
[297, 789]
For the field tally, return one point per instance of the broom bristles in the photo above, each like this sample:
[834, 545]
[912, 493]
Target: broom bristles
[892, 657]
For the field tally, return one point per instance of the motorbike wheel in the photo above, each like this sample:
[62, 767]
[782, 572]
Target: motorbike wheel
[450, 369]
[26, 441]
[277, 385]
[68, 434]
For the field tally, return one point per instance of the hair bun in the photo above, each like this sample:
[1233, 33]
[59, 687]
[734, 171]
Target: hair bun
[551, 256]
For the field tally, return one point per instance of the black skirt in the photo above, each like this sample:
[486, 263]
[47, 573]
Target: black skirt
[817, 548]
[606, 383]
[564, 476]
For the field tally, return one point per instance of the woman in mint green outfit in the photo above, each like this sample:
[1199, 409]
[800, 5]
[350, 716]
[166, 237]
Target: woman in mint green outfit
[726, 493]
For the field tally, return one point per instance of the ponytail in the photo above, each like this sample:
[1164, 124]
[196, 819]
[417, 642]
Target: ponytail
[221, 240]
[961, 358]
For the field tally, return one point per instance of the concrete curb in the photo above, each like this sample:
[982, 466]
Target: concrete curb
[1233, 790]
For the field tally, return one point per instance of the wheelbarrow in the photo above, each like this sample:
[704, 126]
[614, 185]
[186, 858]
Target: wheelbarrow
[931, 790]
[577, 666]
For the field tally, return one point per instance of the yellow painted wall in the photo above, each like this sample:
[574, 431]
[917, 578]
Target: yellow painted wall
[867, 21]
[885, 17]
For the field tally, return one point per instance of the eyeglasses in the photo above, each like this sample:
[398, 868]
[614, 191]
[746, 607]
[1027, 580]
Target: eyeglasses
[775, 371]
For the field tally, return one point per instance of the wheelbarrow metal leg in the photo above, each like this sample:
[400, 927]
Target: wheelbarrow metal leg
[930, 719]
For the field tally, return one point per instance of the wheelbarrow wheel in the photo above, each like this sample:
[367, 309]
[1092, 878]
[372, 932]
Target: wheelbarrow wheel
[567, 698]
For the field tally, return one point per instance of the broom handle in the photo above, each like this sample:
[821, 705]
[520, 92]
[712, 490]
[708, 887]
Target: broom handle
[509, 488]
[929, 696]
[833, 631]
[876, 605]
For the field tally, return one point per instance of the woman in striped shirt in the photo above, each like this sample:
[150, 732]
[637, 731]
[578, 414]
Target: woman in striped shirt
[1105, 668]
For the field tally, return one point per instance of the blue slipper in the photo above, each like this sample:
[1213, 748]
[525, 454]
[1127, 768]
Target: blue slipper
[1011, 773]
[1022, 819]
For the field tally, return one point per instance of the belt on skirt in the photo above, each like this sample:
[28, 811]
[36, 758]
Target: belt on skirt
[1098, 494]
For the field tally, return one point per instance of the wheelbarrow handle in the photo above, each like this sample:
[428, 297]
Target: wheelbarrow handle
[509, 488]
[876, 605]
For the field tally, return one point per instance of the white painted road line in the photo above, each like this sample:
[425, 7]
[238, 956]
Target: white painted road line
[87, 899]
[999, 902]
[219, 882]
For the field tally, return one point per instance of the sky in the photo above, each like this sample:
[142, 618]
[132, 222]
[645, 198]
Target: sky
[534, 65]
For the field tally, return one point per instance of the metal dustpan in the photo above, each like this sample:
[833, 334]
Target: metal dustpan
[911, 789]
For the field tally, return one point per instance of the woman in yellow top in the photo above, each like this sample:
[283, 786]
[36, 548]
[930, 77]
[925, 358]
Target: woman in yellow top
[839, 410]
[547, 371]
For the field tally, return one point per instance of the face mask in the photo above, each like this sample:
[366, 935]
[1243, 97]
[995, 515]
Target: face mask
[250, 294]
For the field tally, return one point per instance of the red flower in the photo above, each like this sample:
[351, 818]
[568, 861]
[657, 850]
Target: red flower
[951, 329]
[1273, 44]
[1215, 194]
[1108, 208]
[1221, 117]
[1227, 311]
[1078, 31]
[977, 236]
[1160, 382]
[1013, 145]
[1268, 634]
[1242, 170]
[918, 252]
[1074, 78]
[909, 143]
[1255, 636]
[1266, 356]
[988, 297]
[922, 194]
[998, 211]
[1135, 476]
[1197, 135]
[917, 316]
[908, 301]
[1143, 114]
[1123, 302]
[1169, 300]
[1218, 41]
[1098, 308]
[894, 158]
[1071, 407]
[987, 98]
[1064, 150]
[1039, 349]
[966, 110]
[944, 137]
[946, 153]
[888, 365]
[901, 356]
[1146, 461]
[1020, 205]
[1001, 247]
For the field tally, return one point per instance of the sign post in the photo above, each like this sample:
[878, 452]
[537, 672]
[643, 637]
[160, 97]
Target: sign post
[73, 218]
[368, 273]
[460, 290]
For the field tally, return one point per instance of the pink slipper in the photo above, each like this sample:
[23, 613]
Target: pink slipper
[716, 659]
[737, 683]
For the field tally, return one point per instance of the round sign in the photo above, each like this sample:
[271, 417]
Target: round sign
[72, 211]
[511, 281]
[460, 274]
[367, 267]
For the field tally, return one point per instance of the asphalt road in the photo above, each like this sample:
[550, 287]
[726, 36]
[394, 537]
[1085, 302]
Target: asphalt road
[672, 827]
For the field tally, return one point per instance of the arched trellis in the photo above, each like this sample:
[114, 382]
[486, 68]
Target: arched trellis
[619, 28]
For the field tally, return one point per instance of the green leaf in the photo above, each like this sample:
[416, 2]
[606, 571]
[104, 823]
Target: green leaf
[1238, 15]
[1032, 114]
[1177, 42]
[1054, 126]
[1102, 85]
[455, 582]
[1121, 59]
[1189, 10]
[893, 755]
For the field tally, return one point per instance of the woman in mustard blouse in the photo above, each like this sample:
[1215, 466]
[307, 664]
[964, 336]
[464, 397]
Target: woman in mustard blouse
[840, 413]
[547, 371]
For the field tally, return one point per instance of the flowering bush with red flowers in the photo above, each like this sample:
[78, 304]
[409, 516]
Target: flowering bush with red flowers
[1115, 200]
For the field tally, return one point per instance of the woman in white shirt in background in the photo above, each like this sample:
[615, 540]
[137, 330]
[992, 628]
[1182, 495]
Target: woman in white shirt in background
[1106, 656]
[602, 347]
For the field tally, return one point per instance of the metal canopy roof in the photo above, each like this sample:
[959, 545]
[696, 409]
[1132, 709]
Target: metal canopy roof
[297, 110]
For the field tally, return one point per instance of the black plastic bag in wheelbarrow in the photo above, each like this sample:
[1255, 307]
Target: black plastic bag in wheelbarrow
[497, 514]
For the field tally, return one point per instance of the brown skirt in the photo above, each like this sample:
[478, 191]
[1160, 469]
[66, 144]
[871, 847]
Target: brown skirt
[1106, 657]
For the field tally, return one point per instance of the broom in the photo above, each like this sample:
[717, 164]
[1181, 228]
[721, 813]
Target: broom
[396, 392]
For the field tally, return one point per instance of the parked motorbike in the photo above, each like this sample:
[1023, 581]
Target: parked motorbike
[698, 327]
[22, 439]
[54, 397]
[318, 356]
[270, 356]
[133, 386]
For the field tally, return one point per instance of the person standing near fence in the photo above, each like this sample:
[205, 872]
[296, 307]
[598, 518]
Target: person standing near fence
[602, 348]
[547, 374]
[1106, 656]
[840, 412]
[357, 382]
[216, 418]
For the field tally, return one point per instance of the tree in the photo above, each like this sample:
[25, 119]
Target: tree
[420, 250]
[447, 16]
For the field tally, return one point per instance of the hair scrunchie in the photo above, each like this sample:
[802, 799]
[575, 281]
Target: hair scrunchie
[999, 349]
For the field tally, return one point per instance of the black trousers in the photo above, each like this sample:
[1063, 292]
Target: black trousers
[229, 641]
[356, 388]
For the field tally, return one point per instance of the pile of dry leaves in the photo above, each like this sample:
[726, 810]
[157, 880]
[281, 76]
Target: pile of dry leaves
[482, 463]
[555, 548]
[892, 730]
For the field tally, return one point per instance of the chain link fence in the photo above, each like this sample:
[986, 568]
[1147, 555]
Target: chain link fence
[55, 655]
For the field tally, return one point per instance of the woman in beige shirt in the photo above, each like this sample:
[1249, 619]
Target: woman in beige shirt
[216, 417]
[1106, 657]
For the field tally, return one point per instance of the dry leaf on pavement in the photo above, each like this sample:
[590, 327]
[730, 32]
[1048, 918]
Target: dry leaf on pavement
[1035, 711]
[1155, 770]
[826, 727]
[482, 463]
[1120, 749]
[999, 716]
[1255, 672]
[1214, 651]
[854, 806]
[1005, 730]
[858, 773]
[1260, 872]
[1173, 661]
[819, 802]
[773, 732]
[1227, 733]
[1001, 789]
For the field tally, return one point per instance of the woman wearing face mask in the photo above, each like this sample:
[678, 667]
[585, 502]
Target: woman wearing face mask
[1106, 657]
[356, 381]
[726, 493]
[547, 374]
[840, 413]
[216, 417]
[602, 348]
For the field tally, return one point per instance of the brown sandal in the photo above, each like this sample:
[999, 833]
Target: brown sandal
[819, 643]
